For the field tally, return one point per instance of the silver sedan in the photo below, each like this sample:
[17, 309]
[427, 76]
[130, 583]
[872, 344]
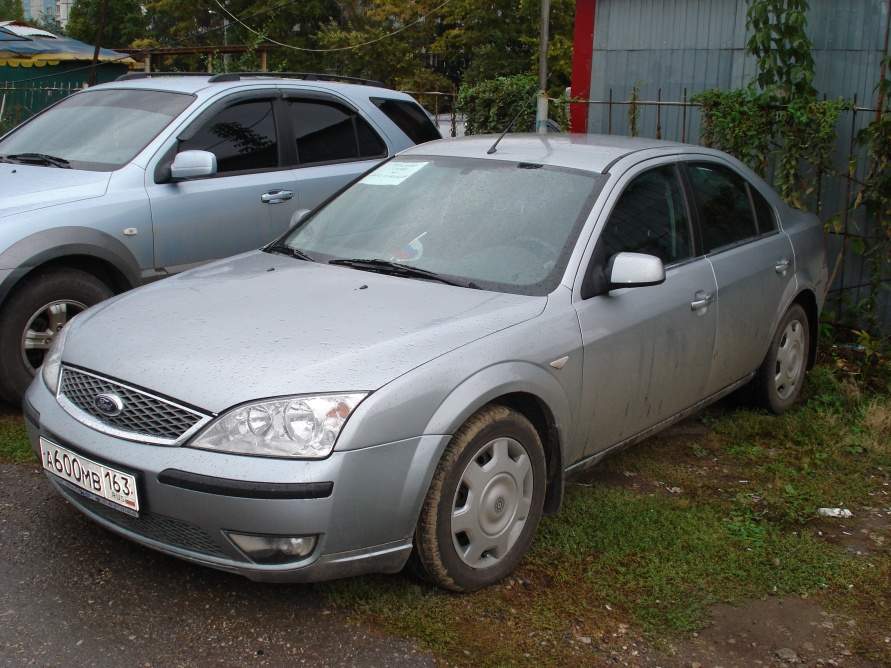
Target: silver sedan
[419, 364]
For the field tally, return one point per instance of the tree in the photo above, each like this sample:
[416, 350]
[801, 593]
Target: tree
[11, 10]
[125, 22]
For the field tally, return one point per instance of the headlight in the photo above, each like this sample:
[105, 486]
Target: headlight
[292, 427]
[52, 361]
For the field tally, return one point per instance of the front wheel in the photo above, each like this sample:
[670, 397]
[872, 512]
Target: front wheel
[779, 381]
[35, 312]
[484, 503]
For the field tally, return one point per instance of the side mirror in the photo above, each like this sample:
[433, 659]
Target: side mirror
[298, 216]
[635, 270]
[193, 165]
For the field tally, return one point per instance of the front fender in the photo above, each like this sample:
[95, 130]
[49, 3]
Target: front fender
[44, 246]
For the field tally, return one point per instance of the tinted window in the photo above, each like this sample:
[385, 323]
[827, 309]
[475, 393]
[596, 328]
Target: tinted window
[410, 118]
[764, 212]
[650, 217]
[723, 205]
[326, 131]
[99, 130]
[241, 136]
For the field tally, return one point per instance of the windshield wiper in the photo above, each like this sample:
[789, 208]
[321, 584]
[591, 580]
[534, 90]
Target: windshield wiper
[398, 269]
[39, 158]
[285, 249]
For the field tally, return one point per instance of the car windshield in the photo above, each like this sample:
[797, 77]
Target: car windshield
[99, 130]
[492, 224]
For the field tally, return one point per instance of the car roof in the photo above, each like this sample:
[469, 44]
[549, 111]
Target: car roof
[193, 84]
[592, 153]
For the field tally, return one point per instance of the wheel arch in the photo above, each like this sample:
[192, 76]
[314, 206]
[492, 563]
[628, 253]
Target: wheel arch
[88, 250]
[808, 301]
[526, 388]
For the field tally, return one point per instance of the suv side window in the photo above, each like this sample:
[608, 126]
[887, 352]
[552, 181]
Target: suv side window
[651, 217]
[724, 205]
[767, 222]
[410, 118]
[243, 137]
[327, 131]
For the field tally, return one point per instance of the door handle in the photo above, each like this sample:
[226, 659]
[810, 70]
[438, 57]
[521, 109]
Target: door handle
[276, 196]
[782, 266]
[701, 300]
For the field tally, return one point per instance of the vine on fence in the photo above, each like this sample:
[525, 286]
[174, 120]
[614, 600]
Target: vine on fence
[778, 119]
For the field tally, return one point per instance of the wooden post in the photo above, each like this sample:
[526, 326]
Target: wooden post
[264, 60]
[147, 63]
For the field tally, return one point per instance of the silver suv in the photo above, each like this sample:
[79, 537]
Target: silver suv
[129, 182]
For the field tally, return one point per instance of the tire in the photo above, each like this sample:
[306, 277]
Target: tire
[69, 291]
[490, 464]
[777, 384]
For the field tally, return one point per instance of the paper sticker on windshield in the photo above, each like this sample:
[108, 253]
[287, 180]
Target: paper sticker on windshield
[393, 173]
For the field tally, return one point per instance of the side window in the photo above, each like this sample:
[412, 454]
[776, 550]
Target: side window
[726, 214]
[767, 222]
[328, 131]
[410, 118]
[241, 136]
[651, 217]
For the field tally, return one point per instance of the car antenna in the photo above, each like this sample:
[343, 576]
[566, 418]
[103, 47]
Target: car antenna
[494, 146]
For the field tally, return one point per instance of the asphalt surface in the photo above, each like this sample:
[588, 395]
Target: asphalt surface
[73, 594]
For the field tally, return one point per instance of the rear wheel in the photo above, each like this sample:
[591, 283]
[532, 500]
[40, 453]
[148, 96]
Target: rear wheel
[33, 315]
[779, 381]
[484, 503]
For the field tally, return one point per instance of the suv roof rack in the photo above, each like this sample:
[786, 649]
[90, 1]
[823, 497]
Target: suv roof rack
[236, 76]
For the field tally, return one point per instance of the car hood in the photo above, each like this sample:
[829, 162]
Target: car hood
[262, 325]
[28, 187]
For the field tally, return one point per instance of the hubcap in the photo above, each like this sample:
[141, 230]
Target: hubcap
[42, 328]
[790, 360]
[492, 503]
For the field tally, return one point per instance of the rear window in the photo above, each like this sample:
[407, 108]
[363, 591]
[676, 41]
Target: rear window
[724, 205]
[410, 118]
[327, 132]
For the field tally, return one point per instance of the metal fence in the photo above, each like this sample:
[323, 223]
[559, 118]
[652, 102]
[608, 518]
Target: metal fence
[680, 120]
[21, 100]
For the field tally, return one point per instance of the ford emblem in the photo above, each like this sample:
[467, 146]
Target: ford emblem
[109, 404]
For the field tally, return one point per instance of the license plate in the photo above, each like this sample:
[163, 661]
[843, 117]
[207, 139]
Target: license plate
[116, 488]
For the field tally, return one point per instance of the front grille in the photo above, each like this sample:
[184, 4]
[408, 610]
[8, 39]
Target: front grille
[144, 416]
[163, 529]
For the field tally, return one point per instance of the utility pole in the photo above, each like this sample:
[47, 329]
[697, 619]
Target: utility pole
[100, 31]
[541, 111]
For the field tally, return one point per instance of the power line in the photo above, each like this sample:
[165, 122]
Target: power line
[338, 48]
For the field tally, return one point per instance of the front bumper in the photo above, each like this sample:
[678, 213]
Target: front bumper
[364, 525]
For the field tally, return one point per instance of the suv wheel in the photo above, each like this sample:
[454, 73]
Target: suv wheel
[484, 503]
[32, 316]
[779, 381]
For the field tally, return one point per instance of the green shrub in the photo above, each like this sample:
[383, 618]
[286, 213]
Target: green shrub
[490, 105]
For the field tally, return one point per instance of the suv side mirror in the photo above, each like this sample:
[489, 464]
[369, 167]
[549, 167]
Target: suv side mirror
[635, 270]
[193, 165]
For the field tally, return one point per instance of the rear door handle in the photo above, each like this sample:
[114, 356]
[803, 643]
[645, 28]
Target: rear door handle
[782, 266]
[701, 300]
[276, 196]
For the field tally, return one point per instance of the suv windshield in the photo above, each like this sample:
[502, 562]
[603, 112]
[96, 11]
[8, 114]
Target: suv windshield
[494, 224]
[99, 130]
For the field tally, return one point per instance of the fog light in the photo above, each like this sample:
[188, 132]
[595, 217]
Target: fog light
[274, 549]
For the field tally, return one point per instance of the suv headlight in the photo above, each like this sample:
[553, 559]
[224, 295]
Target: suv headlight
[300, 427]
[52, 361]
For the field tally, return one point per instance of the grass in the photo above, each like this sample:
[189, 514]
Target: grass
[14, 446]
[645, 560]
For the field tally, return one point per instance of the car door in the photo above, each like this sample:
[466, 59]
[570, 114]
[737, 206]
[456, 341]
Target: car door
[752, 260]
[332, 144]
[646, 350]
[244, 205]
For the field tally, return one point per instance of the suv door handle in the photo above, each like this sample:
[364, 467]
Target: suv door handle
[276, 196]
[701, 300]
[782, 266]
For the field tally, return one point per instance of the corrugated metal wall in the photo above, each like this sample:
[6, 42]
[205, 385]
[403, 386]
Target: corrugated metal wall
[695, 45]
